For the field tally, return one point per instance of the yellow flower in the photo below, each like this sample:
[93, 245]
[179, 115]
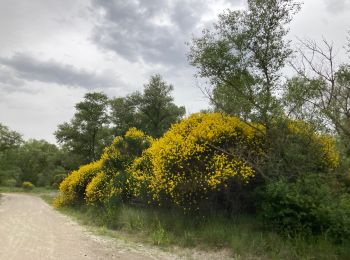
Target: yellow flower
[189, 161]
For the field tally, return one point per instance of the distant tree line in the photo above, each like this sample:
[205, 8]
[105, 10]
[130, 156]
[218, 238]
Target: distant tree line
[97, 120]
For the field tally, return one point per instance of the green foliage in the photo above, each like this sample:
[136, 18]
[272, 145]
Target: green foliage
[153, 111]
[320, 91]
[38, 162]
[87, 133]
[339, 216]
[157, 109]
[27, 185]
[243, 56]
[9, 143]
[9, 139]
[297, 147]
[241, 237]
[124, 113]
[309, 205]
[57, 179]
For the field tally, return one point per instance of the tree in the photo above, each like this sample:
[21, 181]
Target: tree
[321, 90]
[87, 133]
[125, 113]
[38, 162]
[157, 110]
[243, 57]
[152, 111]
[9, 139]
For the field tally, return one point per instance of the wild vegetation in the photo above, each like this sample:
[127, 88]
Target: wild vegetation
[83, 139]
[268, 163]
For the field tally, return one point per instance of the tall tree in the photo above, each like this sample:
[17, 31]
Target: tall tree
[321, 90]
[157, 109]
[243, 57]
[9, 139]
[125, 113]
[152, 111]
[87, 133]
[38, 161]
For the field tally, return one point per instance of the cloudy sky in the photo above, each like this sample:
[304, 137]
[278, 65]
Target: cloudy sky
[54, 51]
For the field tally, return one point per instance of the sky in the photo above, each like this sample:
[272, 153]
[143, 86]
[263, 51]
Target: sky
[53, 52]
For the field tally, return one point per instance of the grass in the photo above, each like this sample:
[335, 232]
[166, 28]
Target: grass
[243, 235]
[36, 190]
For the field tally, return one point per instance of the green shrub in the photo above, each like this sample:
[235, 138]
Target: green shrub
[57, 179]
[339, 215]
[27, 185]
[307, 206]
[298, 148]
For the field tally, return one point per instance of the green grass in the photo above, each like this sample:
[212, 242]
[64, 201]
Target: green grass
[243, 235]
[36, 190]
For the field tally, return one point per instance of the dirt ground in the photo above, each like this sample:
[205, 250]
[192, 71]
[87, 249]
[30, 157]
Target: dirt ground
[31, 229]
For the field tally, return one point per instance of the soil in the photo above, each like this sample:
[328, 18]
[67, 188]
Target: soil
[31, 229]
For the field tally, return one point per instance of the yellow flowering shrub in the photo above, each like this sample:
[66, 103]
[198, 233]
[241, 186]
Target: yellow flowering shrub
[198, 155]
[124, 149]
[115, 183]
[96, 189]
[72, 188]
[324, 152]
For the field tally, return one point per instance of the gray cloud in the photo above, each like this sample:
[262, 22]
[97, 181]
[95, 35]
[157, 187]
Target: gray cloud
[337, 6]
[152, 31]
[26, 67]
[8, 77]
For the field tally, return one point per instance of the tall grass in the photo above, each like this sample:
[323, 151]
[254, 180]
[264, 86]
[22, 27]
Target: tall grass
[244, 235]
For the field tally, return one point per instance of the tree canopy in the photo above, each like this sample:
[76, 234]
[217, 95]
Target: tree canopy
[243, 56]
[152, 111]
[87, 133]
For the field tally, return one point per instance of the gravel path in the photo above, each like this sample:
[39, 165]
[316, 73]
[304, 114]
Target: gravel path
[31, 229]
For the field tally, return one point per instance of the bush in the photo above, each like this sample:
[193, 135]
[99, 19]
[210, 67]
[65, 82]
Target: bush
[297, 148]
[72, 188]
[307, 206]
[114, 184]
[27, 185]
[200, 155]
[124, 149]
[98, 191]
[339, 215]
[58, 179]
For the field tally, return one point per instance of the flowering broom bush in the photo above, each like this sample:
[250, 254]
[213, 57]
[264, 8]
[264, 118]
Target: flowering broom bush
[72, 188]
[297, 148]
[197, 156]
[320, 147]
[115, 184]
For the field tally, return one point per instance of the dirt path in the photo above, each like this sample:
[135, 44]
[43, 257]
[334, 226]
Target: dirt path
[31, 229]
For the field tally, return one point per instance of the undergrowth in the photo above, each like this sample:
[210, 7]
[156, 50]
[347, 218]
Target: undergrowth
[243, 235]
